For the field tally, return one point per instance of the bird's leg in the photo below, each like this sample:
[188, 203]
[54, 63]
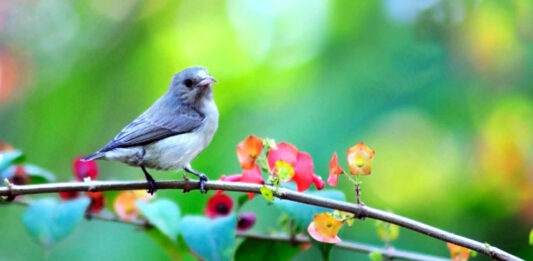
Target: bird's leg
[150, 180]
[202, 176]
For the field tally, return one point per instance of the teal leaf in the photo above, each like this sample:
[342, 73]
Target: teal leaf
[302, 214]
[211, 239]
[37, 175]
[8, 158]
[49, 221]
[265, 250]
[164, 215]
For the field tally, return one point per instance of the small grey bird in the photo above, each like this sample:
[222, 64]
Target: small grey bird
[172, 132]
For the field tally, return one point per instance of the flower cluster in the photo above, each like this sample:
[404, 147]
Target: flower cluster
[360, 158]
[282, 162]
[325, 226]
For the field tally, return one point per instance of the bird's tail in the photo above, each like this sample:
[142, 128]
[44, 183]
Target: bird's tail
[94, 156]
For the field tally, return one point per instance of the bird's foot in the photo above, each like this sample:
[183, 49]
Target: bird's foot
[203, 179]
[153, 187]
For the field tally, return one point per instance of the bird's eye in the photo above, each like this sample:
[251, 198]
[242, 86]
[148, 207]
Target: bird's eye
[188, 83]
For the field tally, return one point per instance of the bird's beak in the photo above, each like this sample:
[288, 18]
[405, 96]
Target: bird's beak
[208, 80]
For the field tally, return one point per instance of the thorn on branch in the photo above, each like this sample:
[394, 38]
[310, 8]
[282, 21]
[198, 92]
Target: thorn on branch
[11, 196]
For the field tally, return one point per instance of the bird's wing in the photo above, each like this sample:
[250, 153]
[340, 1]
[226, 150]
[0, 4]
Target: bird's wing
[144, 130]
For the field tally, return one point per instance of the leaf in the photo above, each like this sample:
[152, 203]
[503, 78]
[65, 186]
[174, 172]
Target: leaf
[267, 193]
[324, 248]
[211, 239]
[49, 221]
[387, 231]
[174, 251]
[164, 215]
[531, 237]
[303, 214]
[38, 175]
[265, 250]
[241, 200]
[375, 256]
[10, 157]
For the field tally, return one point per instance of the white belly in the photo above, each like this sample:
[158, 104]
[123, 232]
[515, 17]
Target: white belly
[173, 152]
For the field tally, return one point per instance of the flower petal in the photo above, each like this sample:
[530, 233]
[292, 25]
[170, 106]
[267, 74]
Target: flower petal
[248, 151]
[84, 169]
[319, 236]
[319, 183]
[218, 205]
[334, 170]
[303, 171]
[285, 152]
[360, 158]
[245, 221]
[458, 253]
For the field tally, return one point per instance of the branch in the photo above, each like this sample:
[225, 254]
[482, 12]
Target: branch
[360, 211]
[388, 253]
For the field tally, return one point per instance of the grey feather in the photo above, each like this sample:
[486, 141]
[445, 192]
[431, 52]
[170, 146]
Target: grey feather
[145, 129]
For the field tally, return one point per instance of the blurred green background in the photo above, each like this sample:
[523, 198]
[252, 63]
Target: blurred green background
[442, 90]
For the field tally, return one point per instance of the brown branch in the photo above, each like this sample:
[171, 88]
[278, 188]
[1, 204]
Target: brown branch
[388, 253]
[361, 211]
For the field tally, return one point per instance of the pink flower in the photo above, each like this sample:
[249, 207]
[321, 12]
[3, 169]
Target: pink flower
[84, 169]
[290, 164]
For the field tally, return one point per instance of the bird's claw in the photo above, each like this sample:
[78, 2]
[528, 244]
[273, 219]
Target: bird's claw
[203, 179]
[153, 187]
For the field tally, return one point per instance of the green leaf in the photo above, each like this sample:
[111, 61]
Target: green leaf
[265, 250]
[175, 251]
[164, 215]
[324, 248]
[473, 253]
[241, 200]
[303, 214]
[38, 175]
[267, 193]
[531, 237]
[387, 231]
[8, 158]
[375, 256]
[211, 239]
[49, 221]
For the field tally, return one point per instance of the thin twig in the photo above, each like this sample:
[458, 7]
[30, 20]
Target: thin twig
[358, 210]
[294, 240]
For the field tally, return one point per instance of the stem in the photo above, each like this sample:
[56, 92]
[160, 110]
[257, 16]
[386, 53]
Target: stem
[358, 210]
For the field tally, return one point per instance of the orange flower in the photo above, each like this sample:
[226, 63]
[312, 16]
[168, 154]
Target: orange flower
[248, 151]
[325, 228]
[360, 159]
[458, 253]
[334, 171]
[125, 206]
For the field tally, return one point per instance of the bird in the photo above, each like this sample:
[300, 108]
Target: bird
[172, 131]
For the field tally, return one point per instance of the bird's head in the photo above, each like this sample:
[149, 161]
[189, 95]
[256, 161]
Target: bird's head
[192, 85]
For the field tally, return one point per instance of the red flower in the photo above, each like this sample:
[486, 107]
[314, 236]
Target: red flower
[68, 195]
[97, 201]
[248, 151]
[245, 221]
[290, 164]
[20, 176]
[334, 171]
[84, 169]
[219, 205]
[252, 175]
